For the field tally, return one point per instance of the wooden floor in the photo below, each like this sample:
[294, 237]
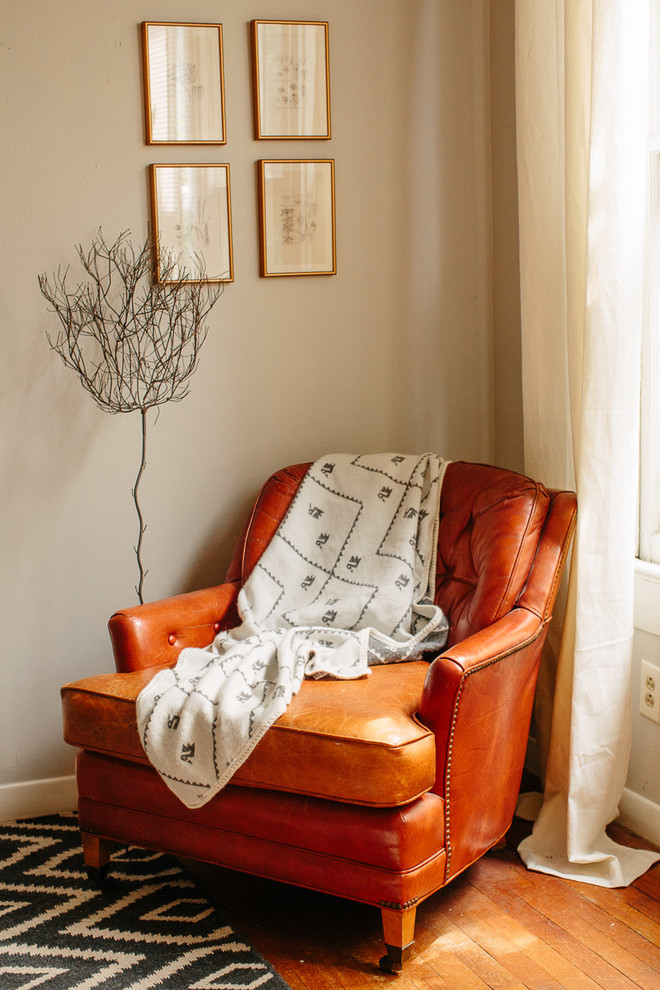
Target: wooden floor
[497, 926]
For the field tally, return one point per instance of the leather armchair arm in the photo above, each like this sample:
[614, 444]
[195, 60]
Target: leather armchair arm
[155, 633]
[478, 699]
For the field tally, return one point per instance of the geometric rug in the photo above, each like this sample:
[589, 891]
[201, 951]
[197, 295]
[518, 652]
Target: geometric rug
[149, 927]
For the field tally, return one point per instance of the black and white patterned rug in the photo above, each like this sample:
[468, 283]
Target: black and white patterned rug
[149, 928]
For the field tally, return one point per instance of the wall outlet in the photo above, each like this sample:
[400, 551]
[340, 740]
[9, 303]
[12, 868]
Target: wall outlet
[649, 691]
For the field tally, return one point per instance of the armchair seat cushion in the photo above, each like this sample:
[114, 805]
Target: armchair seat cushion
[353, 741]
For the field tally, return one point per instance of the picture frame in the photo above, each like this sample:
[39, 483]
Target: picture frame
[291, 80]
[184, 90]
[297, 217]
[191, 219]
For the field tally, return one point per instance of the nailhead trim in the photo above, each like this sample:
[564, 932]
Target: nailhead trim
[482, 666]
[393, 906]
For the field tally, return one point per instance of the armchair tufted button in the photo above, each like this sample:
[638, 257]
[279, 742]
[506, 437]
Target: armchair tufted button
[171, 639]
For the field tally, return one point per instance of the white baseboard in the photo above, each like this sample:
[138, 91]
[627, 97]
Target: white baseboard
[34, 798]
[640, 815]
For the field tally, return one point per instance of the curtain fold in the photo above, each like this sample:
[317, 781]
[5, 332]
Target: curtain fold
[581, 101]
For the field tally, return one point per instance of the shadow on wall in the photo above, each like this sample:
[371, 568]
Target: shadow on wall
[444, 358]
[209, 566]
[51, 424]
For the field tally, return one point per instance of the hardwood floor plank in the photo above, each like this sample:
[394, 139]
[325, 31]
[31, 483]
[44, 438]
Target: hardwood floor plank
[428, 978]
[649, 883]
[598, 943]
[422, 975]
[550, 965]
[644, 946]
[431, 982]
[606, 909]
[530, 968]
[472, 955]
[290, 976]
[517, 898]
[453, 969]
[629, 906]
[507, 941]
[560, 899]
[643, 903]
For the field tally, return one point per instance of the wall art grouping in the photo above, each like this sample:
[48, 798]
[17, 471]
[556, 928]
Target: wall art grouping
[184, 103]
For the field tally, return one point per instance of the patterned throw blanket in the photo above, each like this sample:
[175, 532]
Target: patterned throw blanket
[346, 582]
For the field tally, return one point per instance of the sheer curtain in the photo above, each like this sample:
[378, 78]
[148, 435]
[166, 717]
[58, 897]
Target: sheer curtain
[581, 93]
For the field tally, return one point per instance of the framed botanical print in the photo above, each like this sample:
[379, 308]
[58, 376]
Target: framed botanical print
[291, 77]
[183, 83]
[191, 217]
[297, 217]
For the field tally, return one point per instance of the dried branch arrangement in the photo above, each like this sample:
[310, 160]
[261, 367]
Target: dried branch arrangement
[133, 342]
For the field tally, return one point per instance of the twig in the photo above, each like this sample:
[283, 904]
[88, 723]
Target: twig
[142, 526]
[133, 343]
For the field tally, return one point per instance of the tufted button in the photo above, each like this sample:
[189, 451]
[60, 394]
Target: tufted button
[171, 639]
[216, 627]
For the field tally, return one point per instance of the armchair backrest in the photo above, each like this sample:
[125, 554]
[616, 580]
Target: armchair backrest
[491, 521]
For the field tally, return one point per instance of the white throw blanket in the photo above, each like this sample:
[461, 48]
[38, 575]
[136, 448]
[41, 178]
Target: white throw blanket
[347, 581]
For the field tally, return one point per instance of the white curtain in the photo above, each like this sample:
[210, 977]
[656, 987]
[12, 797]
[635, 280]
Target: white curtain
[581, 92]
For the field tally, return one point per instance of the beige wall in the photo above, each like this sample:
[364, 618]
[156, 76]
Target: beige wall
[395, 352]
[507, 357]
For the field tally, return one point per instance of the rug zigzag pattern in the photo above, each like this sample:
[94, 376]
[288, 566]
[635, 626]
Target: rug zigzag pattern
[149, 928]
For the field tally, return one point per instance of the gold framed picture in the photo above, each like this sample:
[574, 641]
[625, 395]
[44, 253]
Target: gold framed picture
[291, 79]
[297, 217]
[191, 218]
[184, 92]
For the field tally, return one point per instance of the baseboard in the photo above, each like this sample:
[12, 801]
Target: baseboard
[640, 815]
[34, 798]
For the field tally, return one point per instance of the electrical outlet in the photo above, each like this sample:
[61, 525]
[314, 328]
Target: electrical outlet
[649, 691]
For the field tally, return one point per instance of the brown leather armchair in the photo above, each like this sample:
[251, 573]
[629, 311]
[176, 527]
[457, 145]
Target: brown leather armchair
[382, 789]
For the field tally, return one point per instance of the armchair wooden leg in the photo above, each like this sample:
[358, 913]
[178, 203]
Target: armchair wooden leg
[96, 853]
[399, 932]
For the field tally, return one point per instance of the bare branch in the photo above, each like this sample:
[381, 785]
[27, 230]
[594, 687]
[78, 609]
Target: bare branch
[133, 343]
